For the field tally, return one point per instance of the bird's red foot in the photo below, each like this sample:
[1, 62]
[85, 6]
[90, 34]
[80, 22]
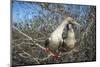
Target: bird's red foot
[46, 49]
[56, 57]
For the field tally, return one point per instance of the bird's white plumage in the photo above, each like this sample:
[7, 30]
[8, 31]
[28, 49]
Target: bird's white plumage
[70, 41]
[56, 37]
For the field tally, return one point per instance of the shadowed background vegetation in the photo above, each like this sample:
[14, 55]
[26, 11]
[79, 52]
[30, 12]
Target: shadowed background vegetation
[38, 20]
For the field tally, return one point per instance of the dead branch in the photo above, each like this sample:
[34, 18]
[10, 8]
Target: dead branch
[69, 52]
[43, 48]
[39, 40]
[43, 59]
[22, 33]
[28, 55]
[19, 39]
[27, 37]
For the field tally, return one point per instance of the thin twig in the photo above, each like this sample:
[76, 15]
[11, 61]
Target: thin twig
[45, 58]
[20, 54]
[22, 33]
[69, 52]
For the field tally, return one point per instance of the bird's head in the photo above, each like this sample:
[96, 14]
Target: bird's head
[70, 20]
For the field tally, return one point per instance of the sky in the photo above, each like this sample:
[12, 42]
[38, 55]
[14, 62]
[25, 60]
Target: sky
[21, 11]
[27, 10]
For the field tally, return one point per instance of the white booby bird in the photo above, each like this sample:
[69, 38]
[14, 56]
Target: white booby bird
[70, 40]
[55, 40]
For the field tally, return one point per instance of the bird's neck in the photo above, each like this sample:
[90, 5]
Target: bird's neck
[60, 28]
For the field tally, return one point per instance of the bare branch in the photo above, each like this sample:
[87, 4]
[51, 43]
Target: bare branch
[43, 48]
[45, 58]
[28, 55]
[22, 33]
[19, 39]
[73, 50]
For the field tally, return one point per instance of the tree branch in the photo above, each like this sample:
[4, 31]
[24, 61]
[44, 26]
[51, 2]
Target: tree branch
[43, 48]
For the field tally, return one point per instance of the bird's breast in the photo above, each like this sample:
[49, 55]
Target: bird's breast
[54, 41]
[70, 42]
